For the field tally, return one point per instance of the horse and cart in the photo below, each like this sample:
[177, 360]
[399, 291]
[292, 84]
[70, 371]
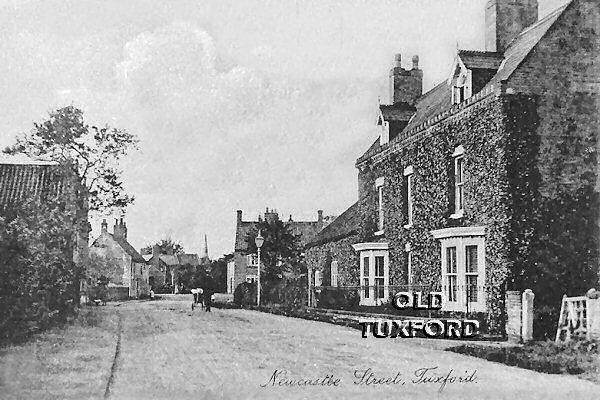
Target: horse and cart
[202, 299]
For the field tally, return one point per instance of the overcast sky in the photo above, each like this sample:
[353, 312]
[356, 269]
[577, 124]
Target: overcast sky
[238, 104]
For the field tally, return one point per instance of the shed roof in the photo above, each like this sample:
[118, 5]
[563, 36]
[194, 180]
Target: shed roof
[21, 181]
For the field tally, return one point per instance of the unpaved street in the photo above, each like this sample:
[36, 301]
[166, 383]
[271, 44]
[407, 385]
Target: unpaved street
[167, 351]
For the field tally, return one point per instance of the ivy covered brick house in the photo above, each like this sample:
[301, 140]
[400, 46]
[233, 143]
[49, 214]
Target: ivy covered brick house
[489, 181]
[243, 267]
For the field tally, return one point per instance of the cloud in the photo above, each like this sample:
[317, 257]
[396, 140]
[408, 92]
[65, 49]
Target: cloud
[218, 139]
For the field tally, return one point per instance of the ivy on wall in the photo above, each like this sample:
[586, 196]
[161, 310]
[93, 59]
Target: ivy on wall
[530, 178]
[320, 257]
[480, 130]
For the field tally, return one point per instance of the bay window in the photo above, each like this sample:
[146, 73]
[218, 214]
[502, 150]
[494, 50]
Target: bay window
[374, 273]
[463, 267]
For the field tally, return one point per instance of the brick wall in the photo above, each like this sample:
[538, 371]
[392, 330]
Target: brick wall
[562, 74]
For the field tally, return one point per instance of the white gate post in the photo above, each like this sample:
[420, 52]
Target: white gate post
[527, 315]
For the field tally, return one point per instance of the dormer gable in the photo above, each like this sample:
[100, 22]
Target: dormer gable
[470, 72]
[392, 119]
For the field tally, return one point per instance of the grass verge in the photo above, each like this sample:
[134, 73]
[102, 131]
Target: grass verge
[578, 357]
[69, 362]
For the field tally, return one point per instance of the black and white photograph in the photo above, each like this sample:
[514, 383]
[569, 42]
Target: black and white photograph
[299, 199]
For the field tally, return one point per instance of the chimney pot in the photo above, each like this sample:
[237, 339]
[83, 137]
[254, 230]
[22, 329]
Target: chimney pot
[415, 62]
[405, 86]
[320, 215]
[398, 60]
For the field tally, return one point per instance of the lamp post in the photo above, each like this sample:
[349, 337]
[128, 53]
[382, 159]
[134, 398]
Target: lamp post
[259, 240]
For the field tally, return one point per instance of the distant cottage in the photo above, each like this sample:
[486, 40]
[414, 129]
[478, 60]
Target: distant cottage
[244, 265]
[126, 266]
[164, 268]
[488, 179]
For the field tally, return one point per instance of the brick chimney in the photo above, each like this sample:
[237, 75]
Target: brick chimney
[120, 229]
[239, 216]
[505, 19]
[320, 215]
[405, 85]
[104, 226]
[271, 216]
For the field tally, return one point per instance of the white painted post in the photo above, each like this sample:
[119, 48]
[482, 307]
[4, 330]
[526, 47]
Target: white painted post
[527, 315]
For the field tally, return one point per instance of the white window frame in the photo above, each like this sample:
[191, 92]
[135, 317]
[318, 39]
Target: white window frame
[409, 174]
[459, 174]
[379, 182]
[252, 260]
[368, 293]
[461, 238]
[409, 264]
[318, 278]
[334, 273]
[385, 133]
[463, 82]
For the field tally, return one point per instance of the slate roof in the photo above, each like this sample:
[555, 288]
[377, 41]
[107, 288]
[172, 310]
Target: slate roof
[241, 234]
[430, 104]
[21, 181]
[189, 259]
[129, 249]
[474, 59]
[439, 98]
[343, 226]
[307, 230]
[396, 112]
[522, 45]
[126, 246]
[170, 260]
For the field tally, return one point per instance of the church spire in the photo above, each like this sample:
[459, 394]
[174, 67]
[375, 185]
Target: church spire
[205, 252]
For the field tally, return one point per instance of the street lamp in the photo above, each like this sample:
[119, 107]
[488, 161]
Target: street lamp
[259, 240]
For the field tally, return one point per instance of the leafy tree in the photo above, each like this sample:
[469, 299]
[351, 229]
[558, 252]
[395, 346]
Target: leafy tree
[165, 246]
[91, 153]
[38, 278]
[218, 272]
[280, 251]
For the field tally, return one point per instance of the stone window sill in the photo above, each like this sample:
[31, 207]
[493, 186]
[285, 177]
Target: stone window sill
[458, 214]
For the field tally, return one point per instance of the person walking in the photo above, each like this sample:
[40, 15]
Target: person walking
[207, 299]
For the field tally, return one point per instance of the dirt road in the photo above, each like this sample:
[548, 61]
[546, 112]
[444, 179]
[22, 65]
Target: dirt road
[167, 351]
